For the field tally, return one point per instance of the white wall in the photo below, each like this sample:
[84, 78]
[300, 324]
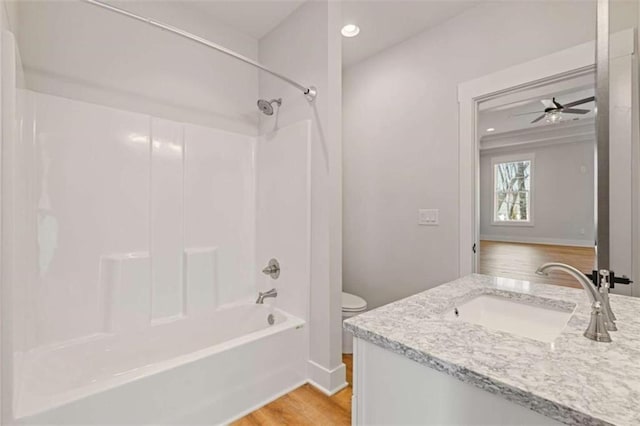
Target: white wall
[400, 138]
[563, 195]
[79, 51]
[306, 46]
[11, 77]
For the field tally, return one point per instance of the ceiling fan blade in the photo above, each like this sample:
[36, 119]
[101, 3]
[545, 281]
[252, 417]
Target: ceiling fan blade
[580, 102]
[538, 119]
[575, 111]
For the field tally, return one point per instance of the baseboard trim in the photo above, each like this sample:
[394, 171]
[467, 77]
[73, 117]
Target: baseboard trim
[283, 393]
[328, 392]
[537, 240]
[327, 381]
[265, 402]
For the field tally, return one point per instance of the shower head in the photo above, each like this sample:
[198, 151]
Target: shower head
[267, 106]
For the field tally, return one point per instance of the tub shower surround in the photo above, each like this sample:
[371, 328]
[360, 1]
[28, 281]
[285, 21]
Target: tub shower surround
[139, 247]
[572, 380]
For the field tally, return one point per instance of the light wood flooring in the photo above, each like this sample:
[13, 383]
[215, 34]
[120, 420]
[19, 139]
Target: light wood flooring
[306, 406]
[520, 261]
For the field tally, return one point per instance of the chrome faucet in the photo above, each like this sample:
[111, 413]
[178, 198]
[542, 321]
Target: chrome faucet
[261, 296]
[599, 324]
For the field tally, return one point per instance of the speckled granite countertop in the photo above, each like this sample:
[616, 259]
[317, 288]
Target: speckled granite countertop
[573, 380]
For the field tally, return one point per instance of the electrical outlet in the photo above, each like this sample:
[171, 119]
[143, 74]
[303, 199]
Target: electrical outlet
[428, 217]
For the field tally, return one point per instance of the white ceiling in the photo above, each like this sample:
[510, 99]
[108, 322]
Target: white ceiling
[255, 18]
[384, 23]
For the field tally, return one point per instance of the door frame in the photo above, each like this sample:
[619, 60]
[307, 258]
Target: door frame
[555, 67]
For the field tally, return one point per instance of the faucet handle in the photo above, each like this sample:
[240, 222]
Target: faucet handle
[605, 284]
[272, 269]
[594, 276]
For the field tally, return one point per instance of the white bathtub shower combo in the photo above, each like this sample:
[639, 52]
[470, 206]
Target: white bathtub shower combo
[133, 254]
[159, 300]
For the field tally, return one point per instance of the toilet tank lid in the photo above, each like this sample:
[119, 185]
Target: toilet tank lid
[352, 302]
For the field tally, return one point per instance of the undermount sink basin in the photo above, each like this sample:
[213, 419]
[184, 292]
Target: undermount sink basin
[537, 322]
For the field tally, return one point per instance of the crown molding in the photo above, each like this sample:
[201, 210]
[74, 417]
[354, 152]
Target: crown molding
[567, 132]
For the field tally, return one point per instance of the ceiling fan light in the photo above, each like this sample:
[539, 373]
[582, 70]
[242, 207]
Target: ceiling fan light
[553, 117]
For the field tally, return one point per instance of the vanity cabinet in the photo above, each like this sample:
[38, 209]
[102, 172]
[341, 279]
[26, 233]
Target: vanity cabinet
[391, 389]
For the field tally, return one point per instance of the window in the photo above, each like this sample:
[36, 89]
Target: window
[512, 191]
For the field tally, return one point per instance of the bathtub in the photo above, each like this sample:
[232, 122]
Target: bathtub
[190, 371]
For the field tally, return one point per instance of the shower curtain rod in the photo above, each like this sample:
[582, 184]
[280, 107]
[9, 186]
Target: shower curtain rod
[310, 92]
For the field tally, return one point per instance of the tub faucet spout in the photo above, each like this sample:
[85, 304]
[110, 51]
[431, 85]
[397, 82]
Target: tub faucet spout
[261, 296]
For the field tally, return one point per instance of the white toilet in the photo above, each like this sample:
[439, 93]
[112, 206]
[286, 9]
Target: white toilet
[352, 305]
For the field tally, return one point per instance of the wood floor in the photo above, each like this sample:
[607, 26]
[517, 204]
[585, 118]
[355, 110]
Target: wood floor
[306, 406]
[520, 261]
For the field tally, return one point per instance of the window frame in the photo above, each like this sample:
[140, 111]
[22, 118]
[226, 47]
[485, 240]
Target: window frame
[512, 159]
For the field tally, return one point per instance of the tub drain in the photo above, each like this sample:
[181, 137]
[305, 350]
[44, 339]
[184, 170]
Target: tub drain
[271, 319]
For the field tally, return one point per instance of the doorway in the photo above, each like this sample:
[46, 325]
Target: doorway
[537, 180]
[509, 122]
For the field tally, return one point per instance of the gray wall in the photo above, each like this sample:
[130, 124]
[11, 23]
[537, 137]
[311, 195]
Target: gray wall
[563, 196]
[400, 137]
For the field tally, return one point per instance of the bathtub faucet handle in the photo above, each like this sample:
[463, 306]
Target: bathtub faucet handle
[272, 269]
[261, 296]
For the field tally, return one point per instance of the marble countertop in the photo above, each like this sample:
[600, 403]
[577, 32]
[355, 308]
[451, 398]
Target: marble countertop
[573, 379]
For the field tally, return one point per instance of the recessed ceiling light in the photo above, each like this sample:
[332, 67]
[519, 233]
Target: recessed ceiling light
[491, 129]
[350, 30]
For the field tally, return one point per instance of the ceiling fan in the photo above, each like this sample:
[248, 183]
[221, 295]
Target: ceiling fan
[553, 109]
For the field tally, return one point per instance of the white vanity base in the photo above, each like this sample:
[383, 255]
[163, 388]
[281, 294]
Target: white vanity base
[391, 389]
